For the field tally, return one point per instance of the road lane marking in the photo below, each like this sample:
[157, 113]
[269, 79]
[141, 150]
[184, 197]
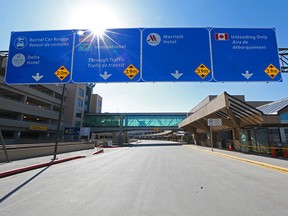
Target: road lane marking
[245, 160]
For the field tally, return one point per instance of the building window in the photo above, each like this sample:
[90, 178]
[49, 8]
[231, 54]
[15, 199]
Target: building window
[284, 117]
[99, 106]
[286, 134]
[80, 92]
[79, 103]
[77, 124]
[78, 113]
[274, 136]
[86, 108]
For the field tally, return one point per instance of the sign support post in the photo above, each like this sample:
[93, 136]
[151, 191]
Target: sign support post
[4, 146]
[211, 123]
[58, 125]
[211, 138]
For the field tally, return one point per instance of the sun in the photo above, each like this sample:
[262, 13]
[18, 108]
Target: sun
[95, 17]
[98, 31]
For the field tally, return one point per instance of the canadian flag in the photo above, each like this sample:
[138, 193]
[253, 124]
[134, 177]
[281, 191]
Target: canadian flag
[221, 36]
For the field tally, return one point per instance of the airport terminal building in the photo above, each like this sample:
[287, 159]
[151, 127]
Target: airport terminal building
[259, 127]
[30, 113]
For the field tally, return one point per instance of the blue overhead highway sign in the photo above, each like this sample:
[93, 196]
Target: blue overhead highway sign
[40, 57]
[143, 55]
[113, 56]
[176, 54]
[245, 55]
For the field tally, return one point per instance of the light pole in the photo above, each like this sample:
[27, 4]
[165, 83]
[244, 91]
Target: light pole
[58, 125]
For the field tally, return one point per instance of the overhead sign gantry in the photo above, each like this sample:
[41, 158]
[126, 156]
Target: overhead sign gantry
[40, 57]
[245, 55]
[144, 55]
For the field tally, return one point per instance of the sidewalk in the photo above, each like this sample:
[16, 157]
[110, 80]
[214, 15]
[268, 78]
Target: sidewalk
[14, 167]
[274, 163]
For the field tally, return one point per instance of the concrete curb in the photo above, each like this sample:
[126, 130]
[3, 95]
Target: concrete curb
[99, 151]
[28, 168]
[20, 170]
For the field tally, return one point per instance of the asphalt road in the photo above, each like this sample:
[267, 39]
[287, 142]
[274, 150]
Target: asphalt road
[148, 180]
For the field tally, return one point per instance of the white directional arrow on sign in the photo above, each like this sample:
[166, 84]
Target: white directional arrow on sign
[37, 77]
[247, 75]
[105, 76]
[177, 75]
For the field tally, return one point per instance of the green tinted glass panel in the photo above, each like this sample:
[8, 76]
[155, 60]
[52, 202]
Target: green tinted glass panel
[102, 121]
[152, 120]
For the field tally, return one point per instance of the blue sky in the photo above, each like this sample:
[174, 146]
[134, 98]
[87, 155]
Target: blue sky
[29, 15]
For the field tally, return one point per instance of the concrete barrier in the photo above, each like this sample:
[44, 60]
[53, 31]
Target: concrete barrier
[19, 153]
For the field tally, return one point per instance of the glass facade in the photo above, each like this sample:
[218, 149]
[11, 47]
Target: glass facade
[88, 95]
[286, 135]
[77, 124]
[78, 113]
[102, 121]
[99, 106]
[79, 103]
[131, 120]
[284, 117]
[274, 136]
[263, 140]
[152, 120]
[80, 92]
[87, 102]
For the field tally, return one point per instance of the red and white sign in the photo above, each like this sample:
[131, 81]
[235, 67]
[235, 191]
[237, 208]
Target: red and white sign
[221, 36]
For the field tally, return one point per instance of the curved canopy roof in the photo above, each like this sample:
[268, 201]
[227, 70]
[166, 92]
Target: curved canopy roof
[234, 113]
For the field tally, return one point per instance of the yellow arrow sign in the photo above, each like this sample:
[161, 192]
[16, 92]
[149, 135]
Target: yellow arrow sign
[271, 71]
[202, 71]
[62, 73]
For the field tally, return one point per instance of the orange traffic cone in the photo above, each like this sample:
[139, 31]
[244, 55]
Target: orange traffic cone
[273, 153]
[230, 147]
[285, 152]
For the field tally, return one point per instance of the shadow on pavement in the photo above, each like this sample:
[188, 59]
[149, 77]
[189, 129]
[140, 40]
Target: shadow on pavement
[2, 199]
